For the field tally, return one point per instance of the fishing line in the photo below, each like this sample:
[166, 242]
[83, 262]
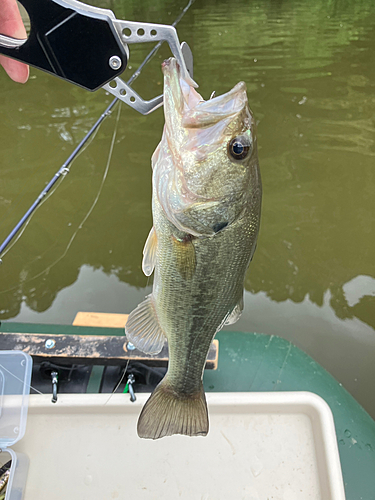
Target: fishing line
[106, 169]
[119, 383]
[20, 380]
[95, 201]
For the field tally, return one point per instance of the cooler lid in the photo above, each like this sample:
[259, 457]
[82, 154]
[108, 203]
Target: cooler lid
[15, 378]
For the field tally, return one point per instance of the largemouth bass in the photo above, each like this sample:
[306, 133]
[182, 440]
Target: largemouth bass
[206, 209]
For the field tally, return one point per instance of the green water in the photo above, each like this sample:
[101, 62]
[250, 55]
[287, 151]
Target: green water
[309, 68]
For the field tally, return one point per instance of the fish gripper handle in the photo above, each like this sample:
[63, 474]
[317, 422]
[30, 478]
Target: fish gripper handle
[71, 40]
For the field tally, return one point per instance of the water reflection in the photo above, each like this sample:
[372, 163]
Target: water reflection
[308, 69]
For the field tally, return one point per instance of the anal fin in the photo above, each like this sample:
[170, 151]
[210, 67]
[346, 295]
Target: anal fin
[143, 329]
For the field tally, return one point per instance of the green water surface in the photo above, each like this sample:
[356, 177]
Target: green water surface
[310, 72]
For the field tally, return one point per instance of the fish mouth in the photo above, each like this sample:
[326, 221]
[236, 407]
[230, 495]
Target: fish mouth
[185, 105]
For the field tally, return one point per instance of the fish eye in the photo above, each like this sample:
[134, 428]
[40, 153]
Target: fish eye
[239, 147]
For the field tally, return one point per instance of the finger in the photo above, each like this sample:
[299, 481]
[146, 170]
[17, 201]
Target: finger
[11, 24]
[17, 71]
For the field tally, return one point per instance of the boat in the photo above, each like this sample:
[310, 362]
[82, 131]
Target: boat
[240, 365]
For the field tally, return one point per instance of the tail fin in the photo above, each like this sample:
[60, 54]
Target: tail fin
[166, 413]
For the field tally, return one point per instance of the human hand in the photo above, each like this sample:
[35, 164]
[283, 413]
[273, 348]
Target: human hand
[11, 25]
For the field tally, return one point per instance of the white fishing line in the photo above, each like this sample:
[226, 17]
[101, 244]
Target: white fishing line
[92, 206]
[106, 168]
[119, 383]
[19, 379]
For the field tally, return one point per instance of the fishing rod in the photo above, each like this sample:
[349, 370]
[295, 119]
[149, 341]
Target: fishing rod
[183, 52]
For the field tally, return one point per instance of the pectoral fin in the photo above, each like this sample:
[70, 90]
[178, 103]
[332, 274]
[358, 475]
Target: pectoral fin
[143, 329]
[149, 253]
[184, 252]
[234, 316]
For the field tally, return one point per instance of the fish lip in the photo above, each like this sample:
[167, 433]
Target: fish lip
[167, 63]
[182, 73]
[170, 66]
